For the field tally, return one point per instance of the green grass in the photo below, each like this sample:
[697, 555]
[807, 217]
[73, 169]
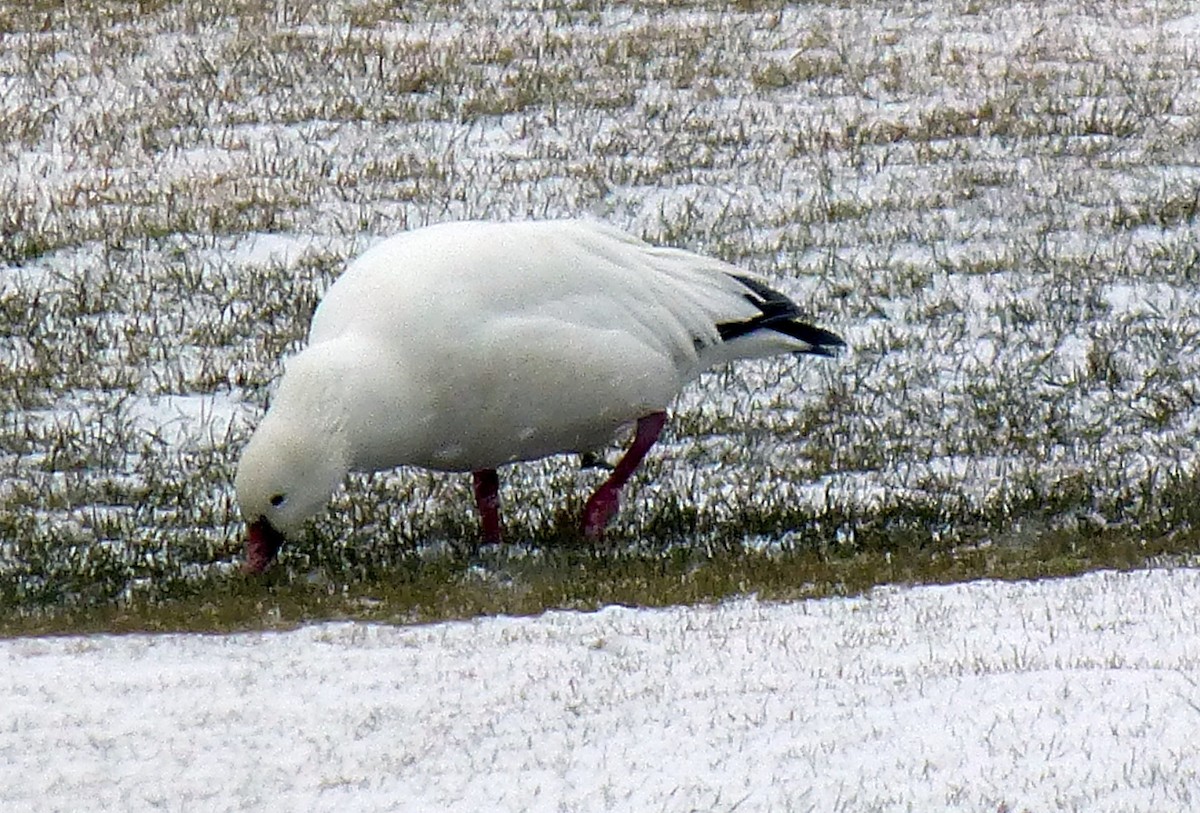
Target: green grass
[996, 206]
[457, 587]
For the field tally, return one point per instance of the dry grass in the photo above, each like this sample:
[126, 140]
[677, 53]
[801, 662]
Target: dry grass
[995, 205]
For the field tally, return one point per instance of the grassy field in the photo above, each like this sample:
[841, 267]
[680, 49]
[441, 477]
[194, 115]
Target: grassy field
[995, 204]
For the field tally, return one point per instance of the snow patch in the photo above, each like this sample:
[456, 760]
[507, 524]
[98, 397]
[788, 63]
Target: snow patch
[1076, 694]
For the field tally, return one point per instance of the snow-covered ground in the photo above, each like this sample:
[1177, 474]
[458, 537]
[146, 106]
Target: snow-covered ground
[1078, 694]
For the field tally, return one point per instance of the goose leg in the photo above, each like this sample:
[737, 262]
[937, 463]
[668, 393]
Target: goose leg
[487, 499]
[602, 505]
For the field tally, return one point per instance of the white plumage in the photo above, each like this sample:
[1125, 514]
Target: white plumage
[465, 346]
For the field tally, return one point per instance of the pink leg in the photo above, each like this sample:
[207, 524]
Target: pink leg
[487, 498]
[603, 504]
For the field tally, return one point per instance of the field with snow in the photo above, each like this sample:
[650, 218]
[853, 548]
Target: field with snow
[995, 203]
[1078, 694]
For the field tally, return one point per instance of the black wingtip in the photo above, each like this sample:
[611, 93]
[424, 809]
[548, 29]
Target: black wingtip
[824, 343]
[782, 315]
[821, 342]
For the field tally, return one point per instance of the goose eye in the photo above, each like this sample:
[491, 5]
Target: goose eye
[278, 500]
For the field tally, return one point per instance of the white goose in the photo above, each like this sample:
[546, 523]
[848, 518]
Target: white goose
[465, 346]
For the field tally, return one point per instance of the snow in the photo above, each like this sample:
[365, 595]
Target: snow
[1073, 694]
[176, 419]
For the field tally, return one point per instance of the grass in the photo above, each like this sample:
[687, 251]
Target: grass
[448, 587]
[995, 206]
